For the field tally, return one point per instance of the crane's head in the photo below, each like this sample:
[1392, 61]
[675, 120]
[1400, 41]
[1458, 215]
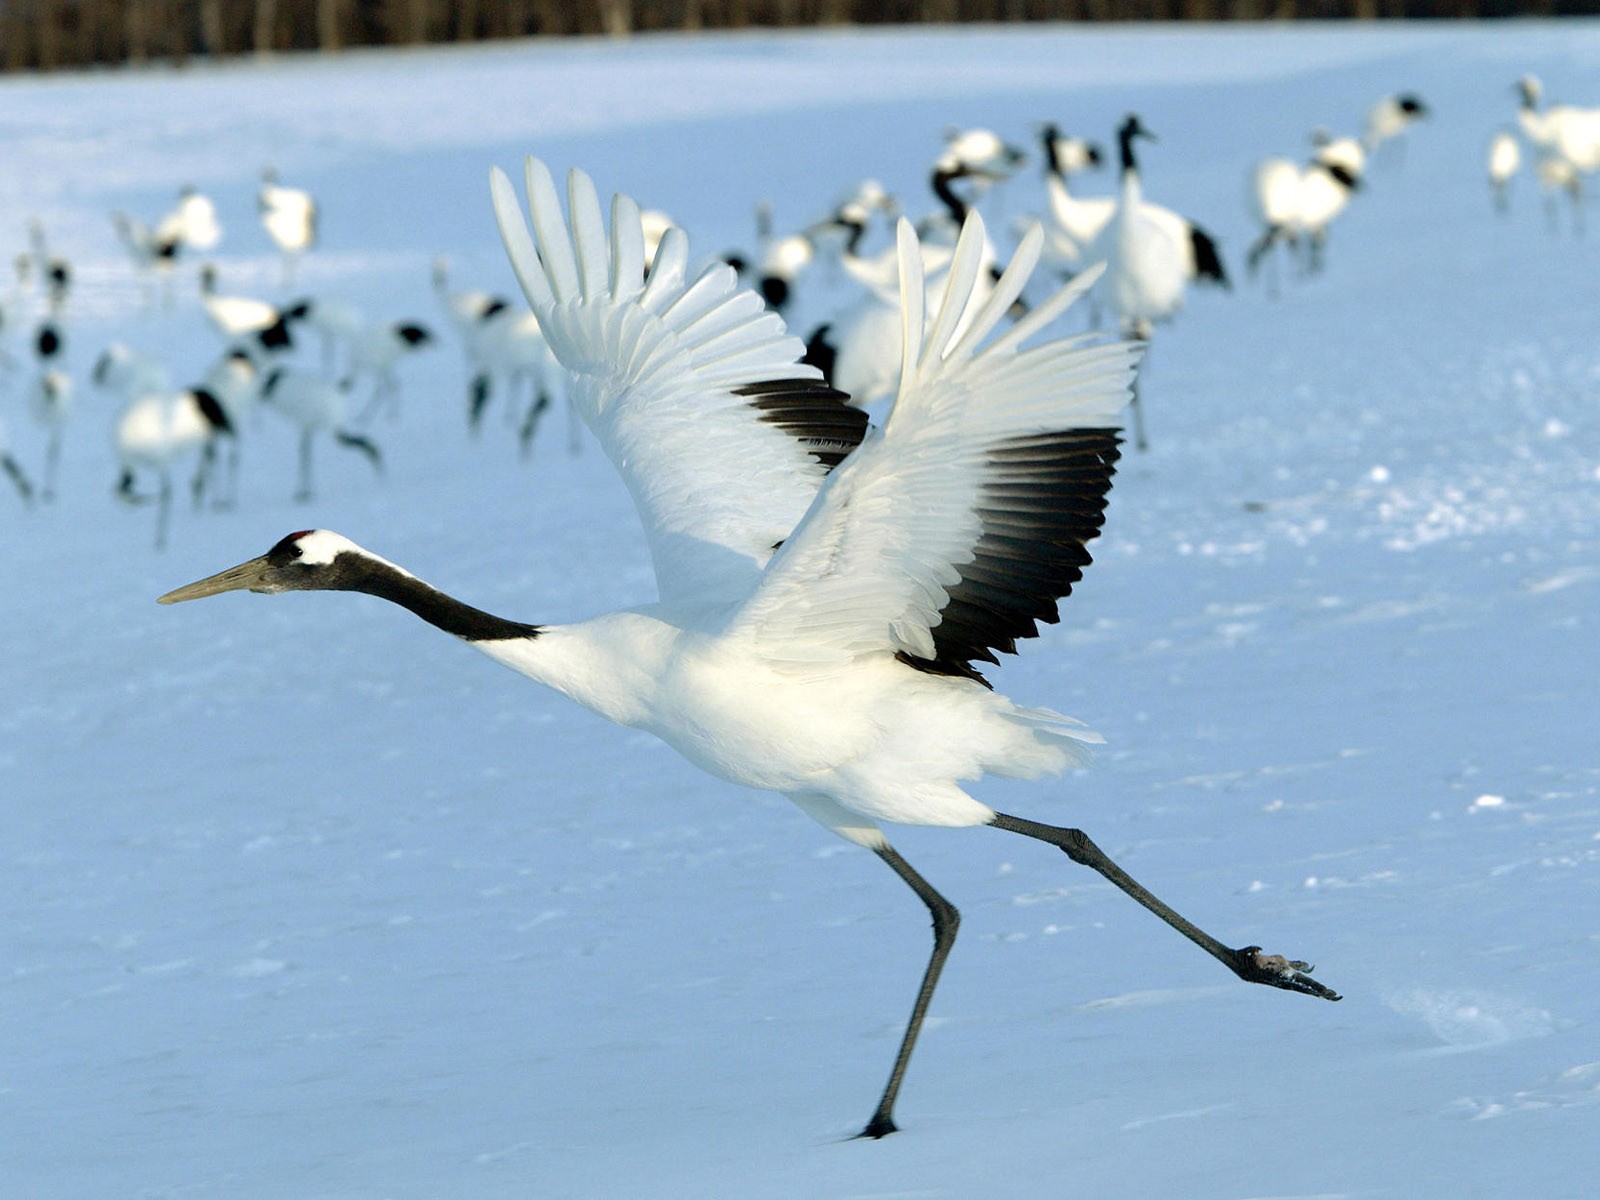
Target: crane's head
[1132, 127]
[311, 560]
[1411, 104]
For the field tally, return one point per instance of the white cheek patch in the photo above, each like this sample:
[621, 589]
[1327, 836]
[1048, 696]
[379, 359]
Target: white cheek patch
[319, 547]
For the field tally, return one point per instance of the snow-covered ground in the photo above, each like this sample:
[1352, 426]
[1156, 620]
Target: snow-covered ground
[301, 900]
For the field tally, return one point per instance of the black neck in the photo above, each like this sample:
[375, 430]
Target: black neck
[947, 195]
[1052, 159]
[1342, 174]
[856, 231]
[433, 606]
[1125, 148]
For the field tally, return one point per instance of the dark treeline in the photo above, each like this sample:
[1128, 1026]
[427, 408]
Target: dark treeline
[49, 34]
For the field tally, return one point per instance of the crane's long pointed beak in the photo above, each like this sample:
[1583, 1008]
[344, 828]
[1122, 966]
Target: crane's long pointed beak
[245, 576]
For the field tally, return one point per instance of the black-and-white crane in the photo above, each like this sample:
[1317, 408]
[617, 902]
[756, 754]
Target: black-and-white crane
[827, 592]
[289, 215]
[1146, 260]
[158, 428]
[50, 399]
[317, 404]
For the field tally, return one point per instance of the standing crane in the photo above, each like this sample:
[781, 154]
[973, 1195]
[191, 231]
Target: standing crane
[1146, 260]
[825, 589]
[289, 215]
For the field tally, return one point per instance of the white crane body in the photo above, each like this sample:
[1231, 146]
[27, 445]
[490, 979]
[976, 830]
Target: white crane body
[823, 590]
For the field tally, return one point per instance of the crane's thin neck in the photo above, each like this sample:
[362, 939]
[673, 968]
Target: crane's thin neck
[855, 230]
[383, 579]
[1052, 156]
[947, 195]
[1125, 150]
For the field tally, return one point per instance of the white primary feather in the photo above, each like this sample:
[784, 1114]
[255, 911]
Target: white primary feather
[654, 366]
[867, 571]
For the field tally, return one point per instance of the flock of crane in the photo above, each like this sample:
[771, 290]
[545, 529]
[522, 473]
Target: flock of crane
[1151, 255]
[828, 590]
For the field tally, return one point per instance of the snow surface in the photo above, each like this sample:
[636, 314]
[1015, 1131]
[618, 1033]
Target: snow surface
[301, 900]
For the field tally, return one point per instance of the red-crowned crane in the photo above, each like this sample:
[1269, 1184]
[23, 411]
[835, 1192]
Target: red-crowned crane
[315, 403]
[826, 590]
[289, 215]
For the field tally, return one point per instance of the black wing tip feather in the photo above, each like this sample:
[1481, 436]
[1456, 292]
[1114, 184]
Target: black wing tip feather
[1208, 258]
[821, 418]
[1044, 502]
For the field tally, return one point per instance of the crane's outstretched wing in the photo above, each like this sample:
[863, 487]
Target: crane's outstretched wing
[950, 535]
[696, 391]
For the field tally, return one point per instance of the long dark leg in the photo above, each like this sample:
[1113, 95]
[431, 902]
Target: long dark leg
[304, 493]
[530, 423]
[477, 399]
[19, 479]
[202, 474]
[52, 463]
[126, 491]
[365, 445]
[163, 509]
[1259, 249]
[1249, 964]
[374, 398]
[1140, 441]
[946, 920]
[389, 383]
[230, 490]
[574, 433]
[1319, 239]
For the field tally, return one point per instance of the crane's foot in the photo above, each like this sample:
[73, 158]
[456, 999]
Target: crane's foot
[1254, 965]
[881, 1126]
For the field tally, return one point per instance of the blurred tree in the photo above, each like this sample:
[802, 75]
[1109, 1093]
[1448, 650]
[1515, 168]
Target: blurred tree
[212, 39]
[330, 25]
[263, 31]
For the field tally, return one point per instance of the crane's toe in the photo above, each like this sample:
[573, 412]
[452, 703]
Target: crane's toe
[1254, 965]
[880, 1126]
